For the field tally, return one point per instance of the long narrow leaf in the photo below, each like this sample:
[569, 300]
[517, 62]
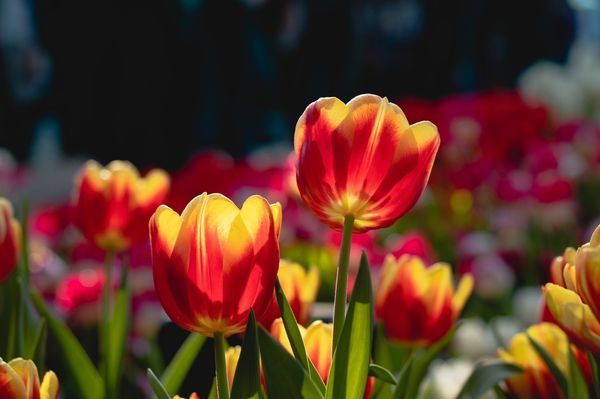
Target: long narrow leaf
[293, 332]
[350, 364]
[78, 365]
[382, 374]
[246, 381]
[179, 366]
[117, 337]
[485, 376]
[578, 387]
[403, 381]
[422, 360]
[558, 375]
[32, 347]
[157, 387]
[284, 376]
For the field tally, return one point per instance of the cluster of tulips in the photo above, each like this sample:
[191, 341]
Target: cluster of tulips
[217, 272]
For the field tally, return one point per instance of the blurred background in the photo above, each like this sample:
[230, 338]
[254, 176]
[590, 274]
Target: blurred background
[154, 83]
[211, 90]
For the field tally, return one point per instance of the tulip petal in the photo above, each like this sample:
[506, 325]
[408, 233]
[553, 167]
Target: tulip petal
[318, 344]
[50, 386]
[11, 385]
[462, 294]
[155, 183]
[28, 373]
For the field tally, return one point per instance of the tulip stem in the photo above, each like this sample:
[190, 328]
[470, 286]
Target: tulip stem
[106, 314]
[341, 282]
[220, 366]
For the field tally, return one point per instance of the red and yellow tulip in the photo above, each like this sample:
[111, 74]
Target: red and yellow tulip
[112, 205]
[10, 232]
[536, 380]
[362, 159]
[559, 264]
[419, 305]
[19, 380]
[573, 316]
[300, 287]
[215, 261]
[192, 396]
[587, 265]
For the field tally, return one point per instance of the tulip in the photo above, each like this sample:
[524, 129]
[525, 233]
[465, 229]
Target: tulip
[194, 395]
[215, 262]
[587, 265]
[232, 357]
[418, 305]
[10, 232]
[559, 264]
[300, 287]
[112, 205]
[317, 338]
[536, 380]
[362, 159]
[19, 380]
[573, 316]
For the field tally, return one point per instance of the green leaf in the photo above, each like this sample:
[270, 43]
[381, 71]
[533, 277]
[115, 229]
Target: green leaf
[560, 378]
[213, 390]
[350, 363]
[291, 327]
[246, 381]
[38, 339]
[284, 376]
[500, 394]
[117, 336]
[485, 376]
[382, 374]
[595, 376]
[421, 361]
[157, 387]
[403, 382]
[295, 337]
[179, 366]
[578, 387]
[78, 365]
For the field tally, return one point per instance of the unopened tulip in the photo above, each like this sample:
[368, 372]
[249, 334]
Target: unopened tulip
[215, 262]
[9, 239]
[419, 305]
[300, 287]
[536, 380]
[587, 266]
[19, 380]
[362, 159]
[112, 205]
[232, 357]
[573, 316]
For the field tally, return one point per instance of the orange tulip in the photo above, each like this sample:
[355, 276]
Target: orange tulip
[587, 265]
[362, 159]
[112, 205]
[192, 396]
[418, 305]
[215, 262]
[10, 232]
[573, 316]
[19, 380]
[536, 380]
[300, 287]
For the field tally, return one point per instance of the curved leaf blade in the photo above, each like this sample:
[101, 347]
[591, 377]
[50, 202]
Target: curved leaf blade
[485, 376]
[350, 364]
[560, 378]
[246, 381]
[284, 376]
[382, 374]
[83, 373]
[176, 371]
[157, 387]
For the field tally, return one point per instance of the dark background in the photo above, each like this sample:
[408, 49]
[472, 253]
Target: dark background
[154, 81]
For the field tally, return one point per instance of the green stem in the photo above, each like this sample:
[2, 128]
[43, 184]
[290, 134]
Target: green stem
[106, 314]
[220, 367]
[341, 282]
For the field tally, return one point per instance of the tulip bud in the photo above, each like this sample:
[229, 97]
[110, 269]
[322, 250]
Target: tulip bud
[19, 380]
